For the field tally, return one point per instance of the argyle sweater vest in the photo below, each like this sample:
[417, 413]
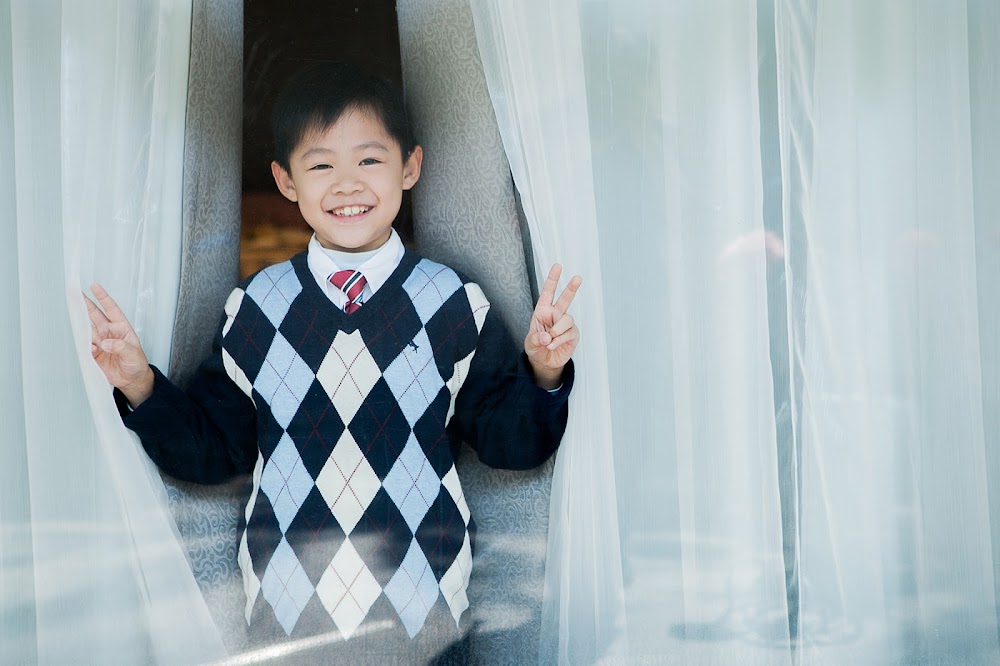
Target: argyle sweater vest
[355, 492]
[350, 426]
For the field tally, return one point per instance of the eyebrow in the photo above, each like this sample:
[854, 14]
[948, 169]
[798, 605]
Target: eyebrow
[320, 150]
[371, 144]
[315, 150]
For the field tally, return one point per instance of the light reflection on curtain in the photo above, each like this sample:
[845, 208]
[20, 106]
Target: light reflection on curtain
[787, 219]
[93, 95]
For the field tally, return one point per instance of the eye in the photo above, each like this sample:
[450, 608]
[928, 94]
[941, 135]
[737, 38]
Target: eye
[370, 161]
[320, 167]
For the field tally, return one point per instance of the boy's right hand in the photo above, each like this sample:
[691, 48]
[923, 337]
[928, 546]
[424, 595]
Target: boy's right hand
[116, 348]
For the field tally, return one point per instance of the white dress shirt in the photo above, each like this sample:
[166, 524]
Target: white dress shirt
[376, 265]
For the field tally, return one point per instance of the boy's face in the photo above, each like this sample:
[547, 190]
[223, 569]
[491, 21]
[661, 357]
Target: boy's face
[348, 181]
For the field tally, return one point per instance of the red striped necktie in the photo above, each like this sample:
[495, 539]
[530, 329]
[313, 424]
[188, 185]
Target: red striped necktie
[352, 283]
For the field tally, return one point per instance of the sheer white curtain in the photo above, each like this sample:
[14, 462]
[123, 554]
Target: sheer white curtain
[92, 96]
[879, 150]
[784, 445]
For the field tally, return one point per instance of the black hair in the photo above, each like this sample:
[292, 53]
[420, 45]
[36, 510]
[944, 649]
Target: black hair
[316, 97]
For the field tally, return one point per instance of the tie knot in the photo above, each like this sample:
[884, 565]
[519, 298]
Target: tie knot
[352, 283]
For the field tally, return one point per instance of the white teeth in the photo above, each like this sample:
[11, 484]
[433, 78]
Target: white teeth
[350, 211]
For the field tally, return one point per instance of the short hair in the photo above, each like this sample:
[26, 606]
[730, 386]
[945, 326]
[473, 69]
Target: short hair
[316, 97]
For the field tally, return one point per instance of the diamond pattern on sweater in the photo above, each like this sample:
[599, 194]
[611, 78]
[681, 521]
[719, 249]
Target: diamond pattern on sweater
[429, 286]
[453, 328]
[458, 375]
[263, 534]
[412, 484]
[380, 429]
[285, 586]
[454, 488]
[238, 376]
[285, 481]
[307, 331]
[382, 537]
[413, 589]
[283, 380]
[348, 373]
[348, 589]
[274, 289]
[315, 535]
[414, 379]
[430, 432]
[391, 331]
[249, 337]
[258, 471]
[233, 303]
[441, 533]
[455, 581]
[347, 482]
[477, 301]
[316, 428]
[251, 584]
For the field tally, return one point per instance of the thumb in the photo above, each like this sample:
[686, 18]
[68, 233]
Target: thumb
[531, 343]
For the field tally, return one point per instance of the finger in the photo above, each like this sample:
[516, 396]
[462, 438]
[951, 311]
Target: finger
[97, 316]
[548, 292]
[113, 346]
[128, 353]
[111, 309]
[570, 336]
[562, 325]
[569, 293]
[119, 329]
[534, 342]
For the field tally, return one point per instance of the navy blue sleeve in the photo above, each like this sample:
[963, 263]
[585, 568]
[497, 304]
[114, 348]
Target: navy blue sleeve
[206, 434]
[501, 412]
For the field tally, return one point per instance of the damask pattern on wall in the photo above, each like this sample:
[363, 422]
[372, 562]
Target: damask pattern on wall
[207, 516]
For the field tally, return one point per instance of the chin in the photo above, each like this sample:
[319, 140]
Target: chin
[348, 245]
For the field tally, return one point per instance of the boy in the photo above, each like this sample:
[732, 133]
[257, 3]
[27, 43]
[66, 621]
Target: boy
[344, 379]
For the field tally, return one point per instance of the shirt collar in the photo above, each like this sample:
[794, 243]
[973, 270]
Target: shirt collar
[376, 269]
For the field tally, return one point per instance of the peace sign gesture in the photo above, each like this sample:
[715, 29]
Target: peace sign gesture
[552, 335]
[116, 348]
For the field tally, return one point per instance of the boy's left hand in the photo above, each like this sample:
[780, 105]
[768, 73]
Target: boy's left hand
[552, 335]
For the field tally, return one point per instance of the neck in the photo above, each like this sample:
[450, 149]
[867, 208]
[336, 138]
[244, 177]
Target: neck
[351, 260]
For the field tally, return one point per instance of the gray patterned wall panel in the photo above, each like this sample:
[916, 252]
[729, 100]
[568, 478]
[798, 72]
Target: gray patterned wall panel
[465, 215]
[206, 516]
[213, 137]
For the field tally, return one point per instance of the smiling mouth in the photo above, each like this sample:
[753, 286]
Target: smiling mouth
[350, 211]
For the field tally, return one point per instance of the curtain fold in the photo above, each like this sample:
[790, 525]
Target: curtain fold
[784, 214]
[531, 61]
[97, 95]
[896, 530]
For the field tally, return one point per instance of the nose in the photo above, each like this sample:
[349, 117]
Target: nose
[346, 181]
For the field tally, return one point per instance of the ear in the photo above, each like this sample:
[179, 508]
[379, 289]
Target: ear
[411, 168]
[284, 181]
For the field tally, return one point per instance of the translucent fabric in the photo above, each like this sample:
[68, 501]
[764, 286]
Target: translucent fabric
[784, 443]
[92, 96]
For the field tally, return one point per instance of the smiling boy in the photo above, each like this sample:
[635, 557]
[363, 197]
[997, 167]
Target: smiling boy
[345, 379]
